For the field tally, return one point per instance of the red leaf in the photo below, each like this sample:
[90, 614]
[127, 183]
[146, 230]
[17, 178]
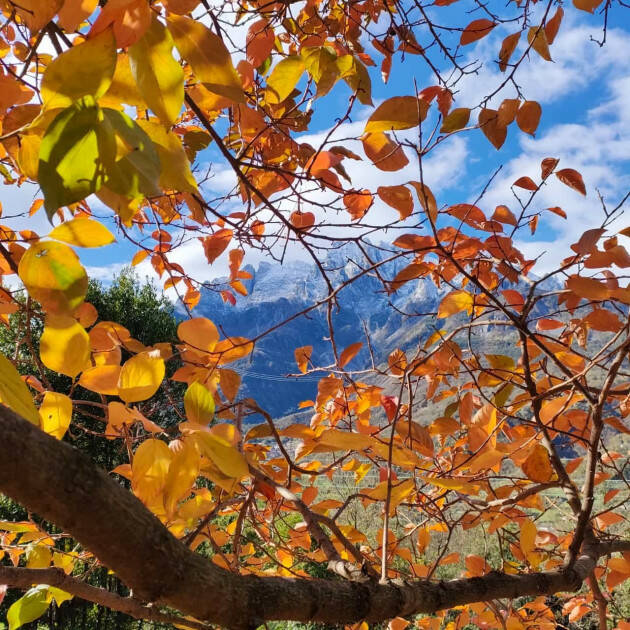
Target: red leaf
[476, 30]
[547, 166]
[525, 182]
[571, 178]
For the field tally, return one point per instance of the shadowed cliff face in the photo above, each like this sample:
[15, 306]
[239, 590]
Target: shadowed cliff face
[277, 292]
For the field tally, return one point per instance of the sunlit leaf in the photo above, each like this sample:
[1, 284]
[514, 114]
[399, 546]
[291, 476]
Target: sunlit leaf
[207, 55]
[14, 392]
[32, 605]
[158, 76]
[456, 302]
[224, 455]
[149, 470]
[140, 377]
[399, 198]
[182, 472]
[55, 414]
[199, 332]
[102, 379]
[398, 112]
[302, 357]
[175, 168]
[84, 70]
[73, 156]
[283, 79]
[386, 154]
[199, 403]
[83, 232]
[64, 345]
[349, 353]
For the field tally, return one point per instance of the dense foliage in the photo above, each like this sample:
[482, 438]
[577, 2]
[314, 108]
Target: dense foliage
[130, 116]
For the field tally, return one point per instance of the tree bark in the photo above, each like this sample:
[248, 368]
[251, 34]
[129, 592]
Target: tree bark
[63, 486]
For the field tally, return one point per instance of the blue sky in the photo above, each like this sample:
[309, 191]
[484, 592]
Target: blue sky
[586, 123]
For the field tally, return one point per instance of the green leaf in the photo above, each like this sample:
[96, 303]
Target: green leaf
[456, 120]
[32, 605]
[207, 55]
[73, 155]
[84, 70]
[283, 79]
[137, 172]
[158, 75]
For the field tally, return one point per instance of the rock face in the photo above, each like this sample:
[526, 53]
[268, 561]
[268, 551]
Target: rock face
[278, 292]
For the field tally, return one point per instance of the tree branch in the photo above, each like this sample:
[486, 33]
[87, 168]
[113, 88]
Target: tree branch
[63, 486]
[19, 577]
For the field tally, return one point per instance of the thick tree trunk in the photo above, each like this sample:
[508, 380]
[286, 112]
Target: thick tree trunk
[62, 485]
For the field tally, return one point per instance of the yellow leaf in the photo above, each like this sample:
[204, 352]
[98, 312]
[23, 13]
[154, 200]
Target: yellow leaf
[455, 302]
[398, 112]
[86, 69]
[149, 470]
[399, 492]
[140, 377]
[225, 456]
[102, 379]
[14, 392]
[55, 414]
[158, 76]
[452, 484]
[355, 74]
[64, 345]
[207, 55]
[345, 440]
[199, 333]
[175, 174]
[527, 538]
[123, 88]
[83, 232]
[38, 557]
[182, 473]
[283, 79]
[199, 403]
[53, 275]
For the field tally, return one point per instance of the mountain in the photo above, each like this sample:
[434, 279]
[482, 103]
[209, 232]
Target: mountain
[278, 292]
